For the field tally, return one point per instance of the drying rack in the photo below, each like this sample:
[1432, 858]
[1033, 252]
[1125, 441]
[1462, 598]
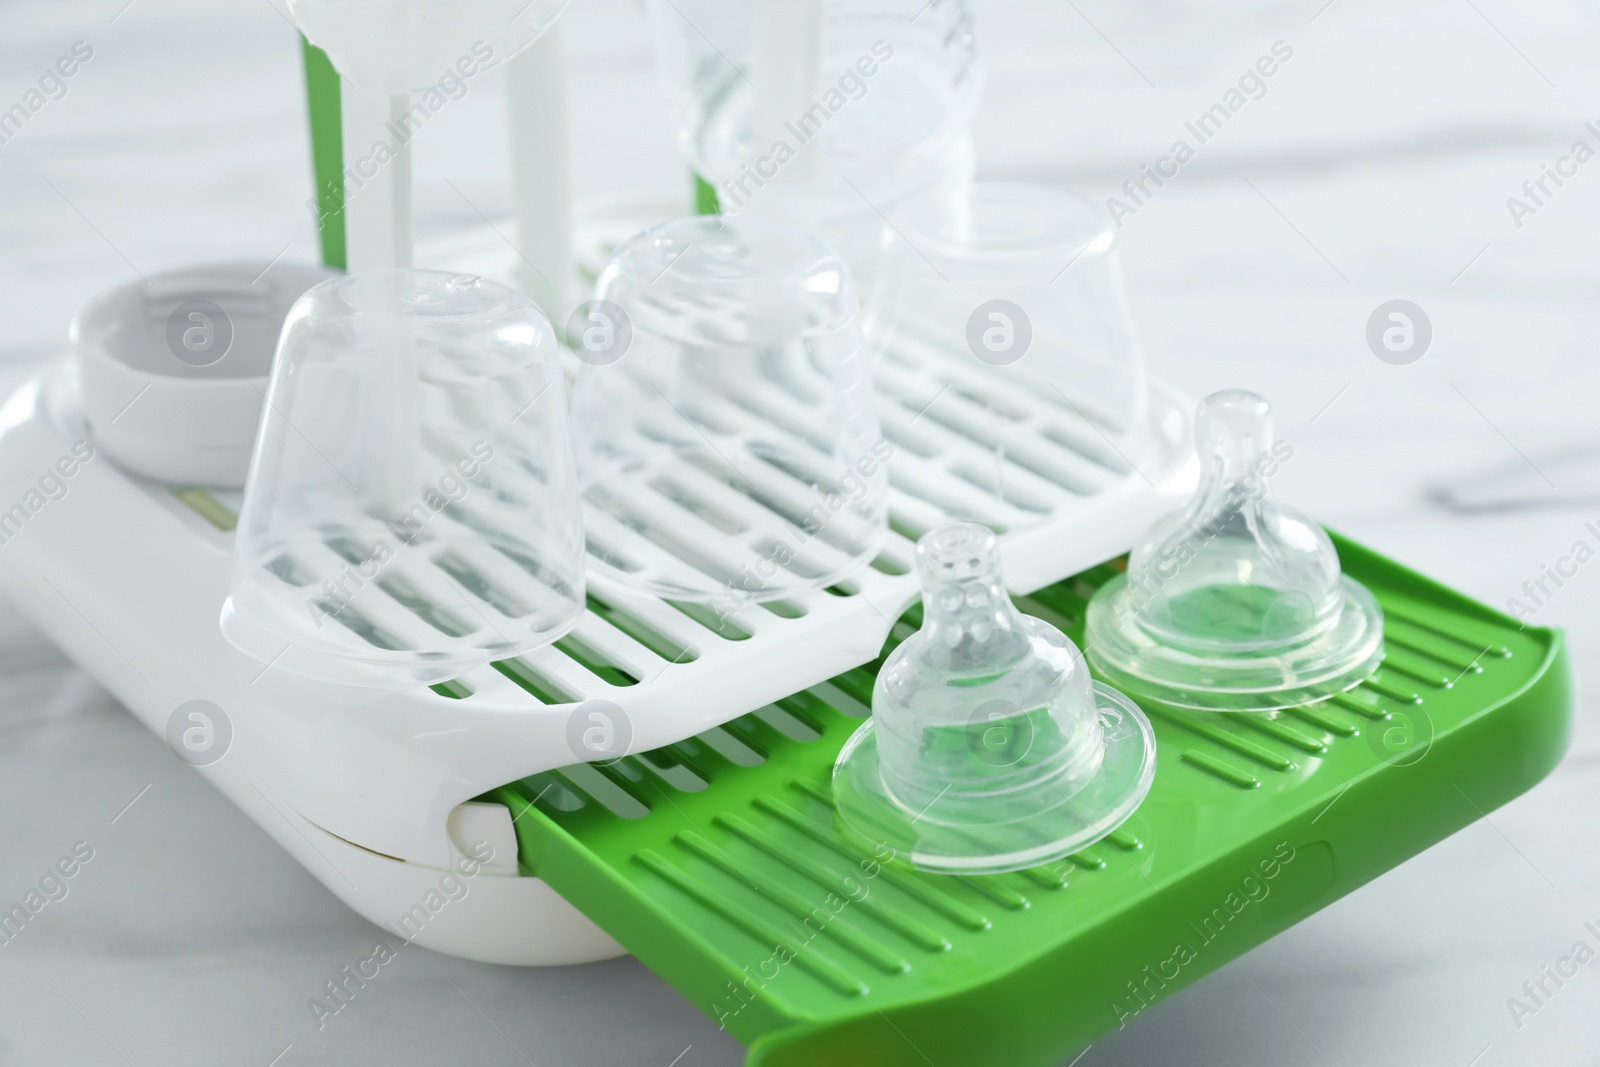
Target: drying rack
[711, 844]
[130, 575]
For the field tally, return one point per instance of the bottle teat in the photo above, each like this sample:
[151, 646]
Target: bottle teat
[1235, 602]
[989, 747]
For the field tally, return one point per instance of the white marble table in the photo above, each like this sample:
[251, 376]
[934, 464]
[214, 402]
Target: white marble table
[1376, 166]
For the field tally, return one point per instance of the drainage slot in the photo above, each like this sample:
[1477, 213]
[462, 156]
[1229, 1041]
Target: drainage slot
[991, 402]
[455, 689]
[699, 508]
[288, 571]
[403, 591]
[905, 527]
[542, 688]
[661, 644]
[550, 790]
[594, 661]
[481, 587]
[722, 626]
[603, 791]
[652, 532]
[790, 726]
[885, 565]
[985, 480]
[673, 771]
[363, 627]
[731, 748]
[608, 555]
[902, 436]
[1017, 452]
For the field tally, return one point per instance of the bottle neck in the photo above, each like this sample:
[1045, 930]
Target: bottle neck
[969, 625]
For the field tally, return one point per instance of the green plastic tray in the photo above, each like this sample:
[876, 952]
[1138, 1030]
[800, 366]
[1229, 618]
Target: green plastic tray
[728, 879]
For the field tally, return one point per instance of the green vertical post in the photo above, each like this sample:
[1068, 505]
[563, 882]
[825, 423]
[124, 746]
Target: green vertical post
[706, 201]
[327, 152]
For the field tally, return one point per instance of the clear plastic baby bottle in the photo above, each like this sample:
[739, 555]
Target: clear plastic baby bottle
[412, 509]
[1020, 283]
[725, 429]
[392, 46]
[825, 115]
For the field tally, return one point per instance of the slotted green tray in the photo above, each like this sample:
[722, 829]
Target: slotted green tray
[729, 881]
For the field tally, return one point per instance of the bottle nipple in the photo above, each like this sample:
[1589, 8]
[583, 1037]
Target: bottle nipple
[969, 623]
[1236, 601]
[989, 747]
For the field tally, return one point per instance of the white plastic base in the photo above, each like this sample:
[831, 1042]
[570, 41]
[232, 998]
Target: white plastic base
[150, 573]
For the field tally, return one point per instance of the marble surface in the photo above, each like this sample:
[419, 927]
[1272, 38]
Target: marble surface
[1377, 165]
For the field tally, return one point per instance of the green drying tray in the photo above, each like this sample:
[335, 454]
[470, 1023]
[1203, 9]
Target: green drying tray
[724, 874]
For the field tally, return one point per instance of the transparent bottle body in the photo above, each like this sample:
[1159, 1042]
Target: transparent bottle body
[1019, 286]
[411, 510]
[905, 85]
[825, 115]
[395, 46]
[732, 453]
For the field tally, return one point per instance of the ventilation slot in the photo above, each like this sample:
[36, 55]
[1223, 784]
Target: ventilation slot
[772, 550]
[543, 689]
[885, 564]
[434, 616]
[608, 555]
[661, 644]
[969, 506]
[904, 438]
[603, 791]
[768, 499]
[1090, 445]
[784, 609]
[905, 527]
[455, 689]
[1006, 490]
[550, 790]
[480, 586]
[990, 402]
[538, 572]
[362, 627]
[287, 570]
[402, 591]
[699, 508]
[788, 722]
[1022, 454]
[731, 748]
[673, 771]
[595, 662]
[661, 538]
[723, 627]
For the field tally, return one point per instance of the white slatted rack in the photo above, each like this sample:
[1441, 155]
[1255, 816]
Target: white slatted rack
[130, 581]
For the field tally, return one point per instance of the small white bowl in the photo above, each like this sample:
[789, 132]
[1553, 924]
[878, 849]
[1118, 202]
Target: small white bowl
[175, 369]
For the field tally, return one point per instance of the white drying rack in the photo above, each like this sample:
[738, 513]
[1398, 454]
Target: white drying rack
[371, 789]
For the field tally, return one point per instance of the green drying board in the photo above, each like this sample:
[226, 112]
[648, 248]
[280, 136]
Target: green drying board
[729, 881]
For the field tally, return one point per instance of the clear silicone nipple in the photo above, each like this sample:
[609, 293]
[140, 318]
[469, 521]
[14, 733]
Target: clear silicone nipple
[989, 748]
[1236, 602]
